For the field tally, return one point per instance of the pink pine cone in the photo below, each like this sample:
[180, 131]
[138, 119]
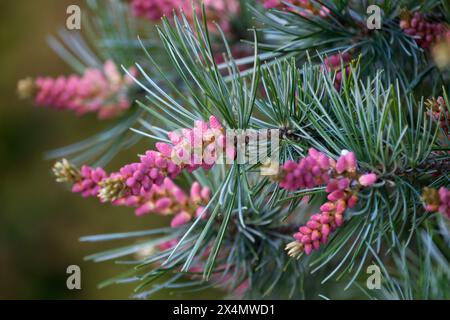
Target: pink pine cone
[220, 11]
[342, 185]
[426, 33]
[102, 91]
[187, 152]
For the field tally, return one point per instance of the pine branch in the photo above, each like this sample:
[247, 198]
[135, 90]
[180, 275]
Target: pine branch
[371, 142]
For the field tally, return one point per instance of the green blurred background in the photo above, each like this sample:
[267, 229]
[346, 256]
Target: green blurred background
[40, 221]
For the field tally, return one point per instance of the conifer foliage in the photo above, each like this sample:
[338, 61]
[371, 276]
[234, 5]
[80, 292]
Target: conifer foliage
[355, 120]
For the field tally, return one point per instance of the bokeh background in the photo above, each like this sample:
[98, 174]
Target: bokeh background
[40, 221]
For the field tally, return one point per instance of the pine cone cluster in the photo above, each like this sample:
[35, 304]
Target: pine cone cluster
[426, 33]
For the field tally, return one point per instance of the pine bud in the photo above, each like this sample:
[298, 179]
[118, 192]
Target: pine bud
[26, 88]
[112, 188]
[64, 171]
